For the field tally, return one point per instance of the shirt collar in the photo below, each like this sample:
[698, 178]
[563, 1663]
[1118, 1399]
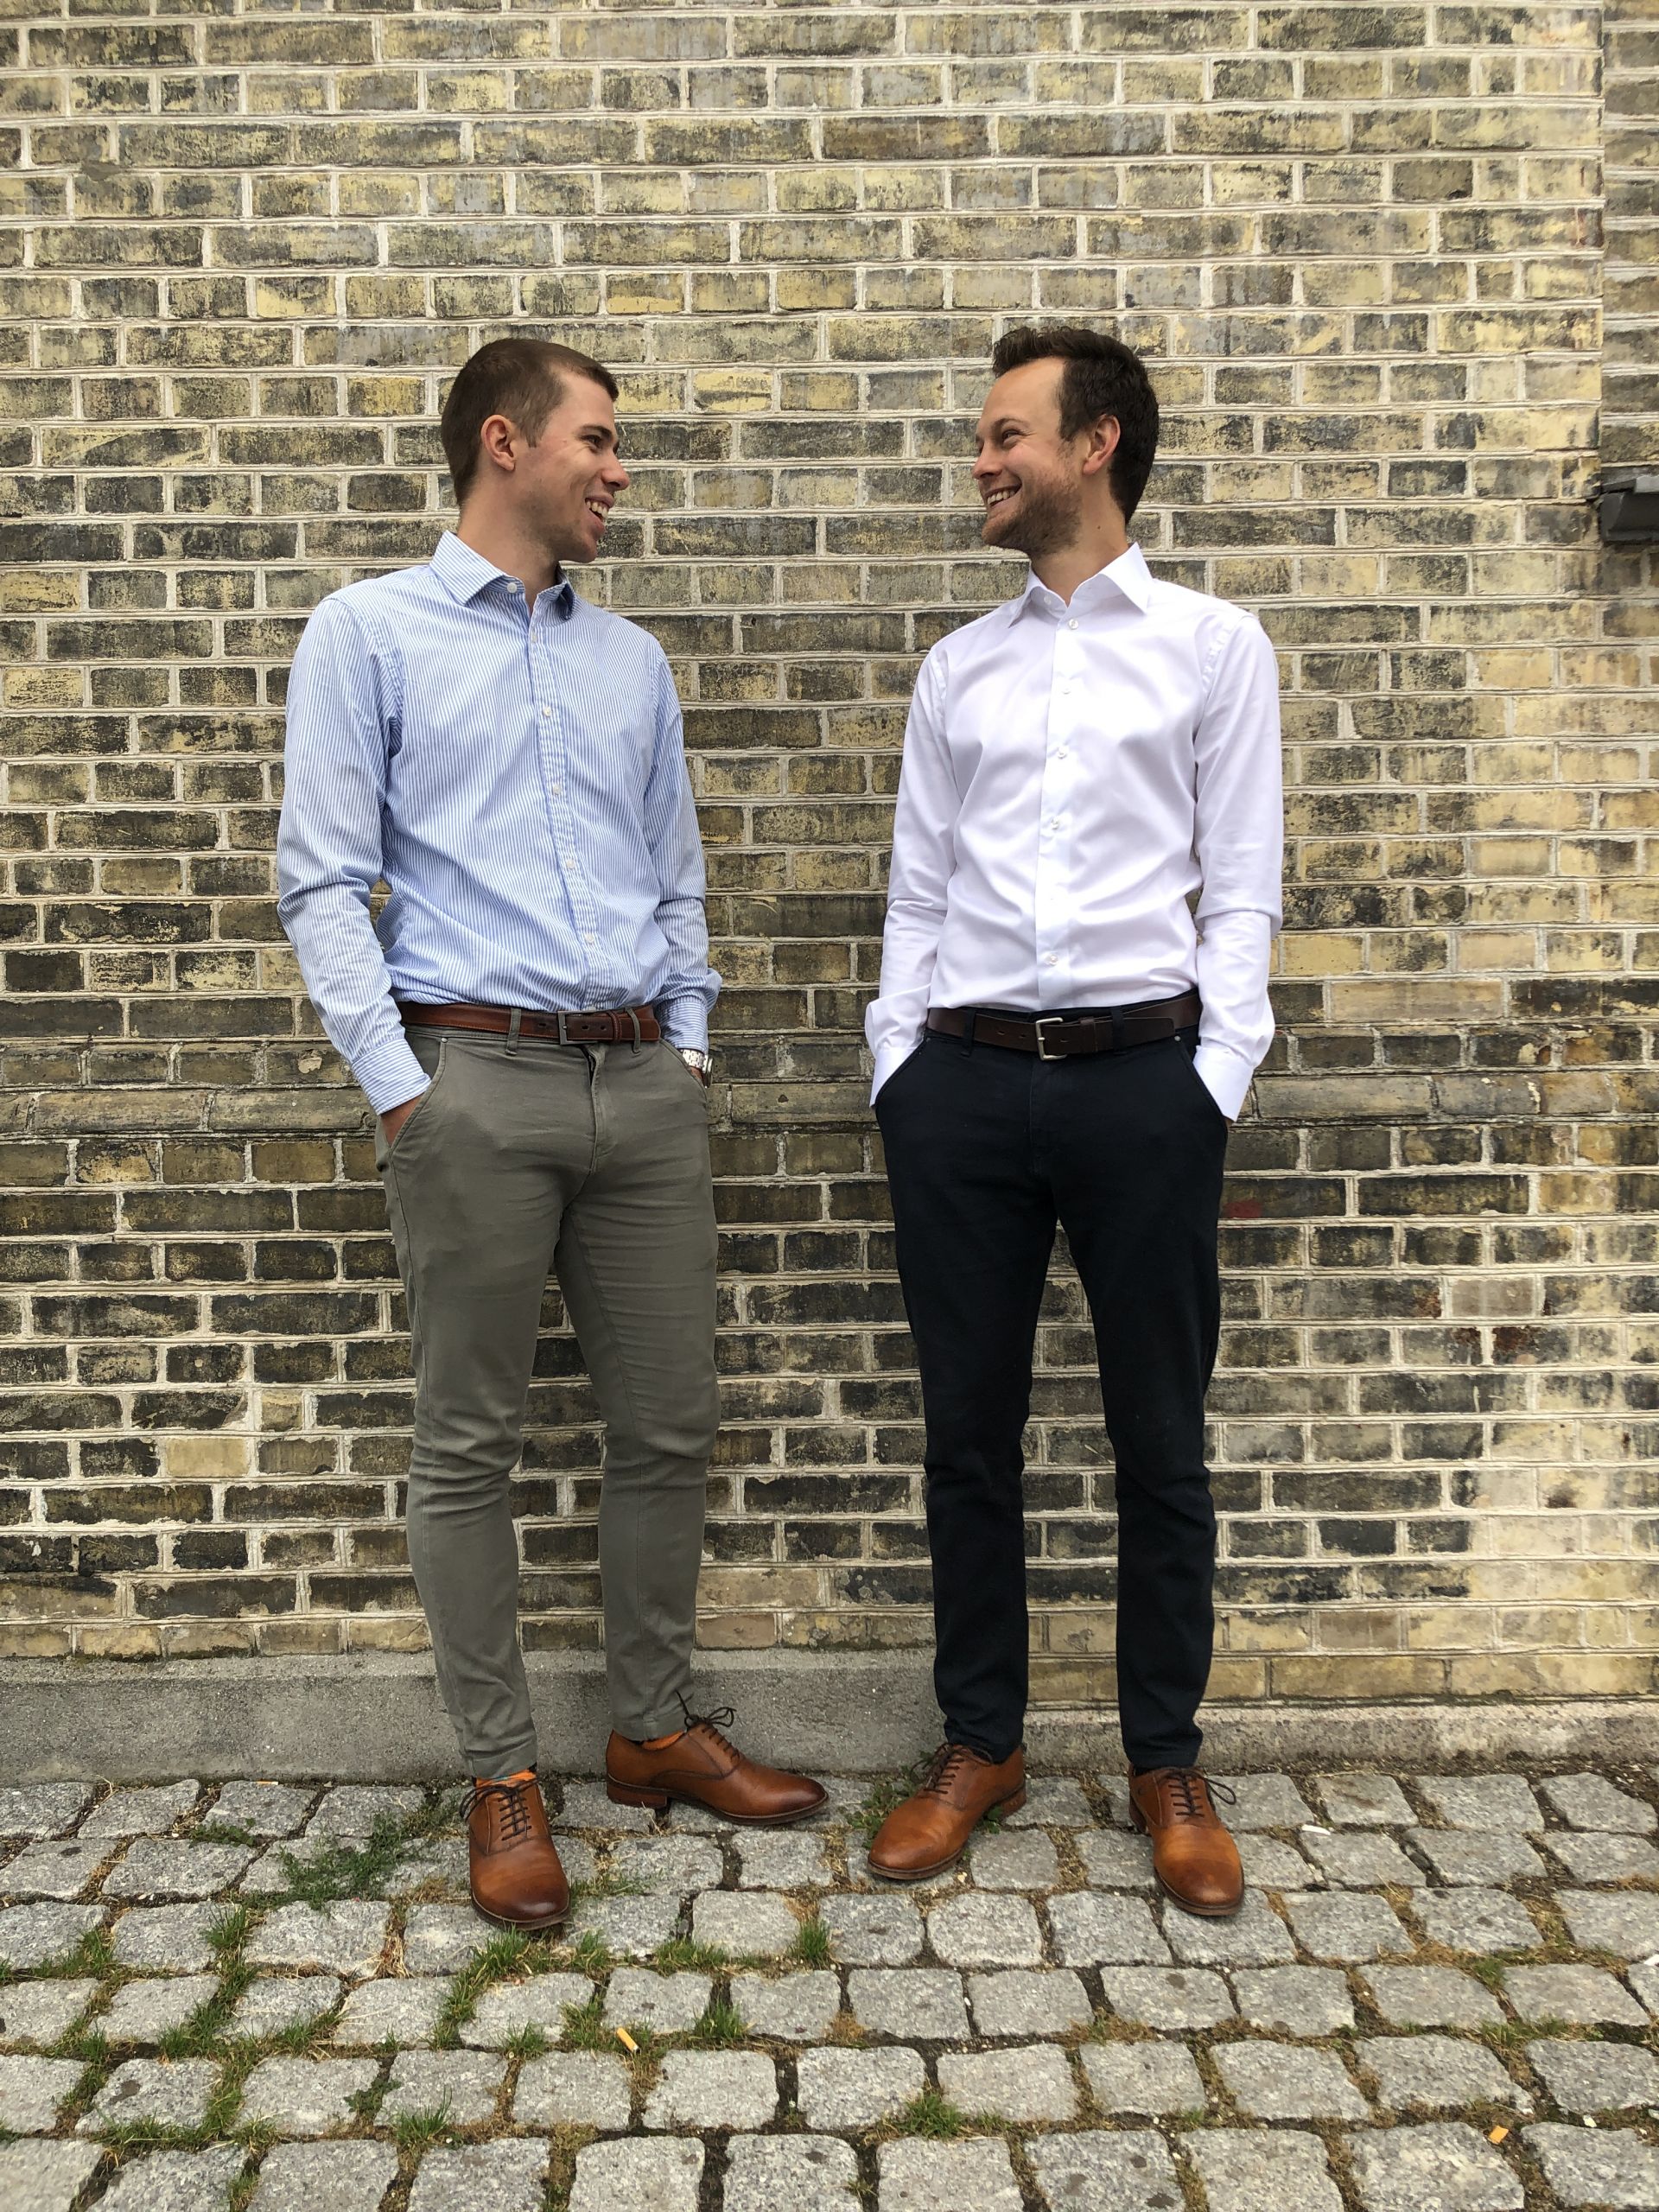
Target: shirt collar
[1129, 575]
[464, 574]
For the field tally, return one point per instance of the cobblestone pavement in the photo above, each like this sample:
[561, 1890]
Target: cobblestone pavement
[1440, 1996]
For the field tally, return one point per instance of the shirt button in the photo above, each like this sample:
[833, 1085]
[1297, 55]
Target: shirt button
[1050, 959]
[546, 711]
[1062, 754]
[1072, 624]
[587, 937]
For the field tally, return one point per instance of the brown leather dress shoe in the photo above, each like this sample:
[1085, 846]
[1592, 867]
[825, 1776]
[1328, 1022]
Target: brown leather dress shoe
[1193, 1857]
[515, 1875]
[930, 1831]
[703, 1767]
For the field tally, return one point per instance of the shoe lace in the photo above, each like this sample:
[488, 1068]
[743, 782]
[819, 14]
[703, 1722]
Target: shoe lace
[935, 1774]
[1191, 1789]
[515, 1806]
[713, 1724]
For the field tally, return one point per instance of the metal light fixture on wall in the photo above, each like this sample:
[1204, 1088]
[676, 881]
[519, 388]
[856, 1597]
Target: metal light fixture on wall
[1627, 502]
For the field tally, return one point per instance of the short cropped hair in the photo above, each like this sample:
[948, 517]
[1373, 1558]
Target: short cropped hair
[1100, 377]
[520, 377]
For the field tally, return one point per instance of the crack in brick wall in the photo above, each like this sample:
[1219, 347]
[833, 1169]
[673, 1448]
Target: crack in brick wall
[240, 251]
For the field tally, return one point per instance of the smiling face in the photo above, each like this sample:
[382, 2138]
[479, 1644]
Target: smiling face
[1031, 479]
[563, 486]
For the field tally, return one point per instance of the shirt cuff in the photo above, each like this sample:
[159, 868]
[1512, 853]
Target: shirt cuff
[889, 1057]
[684, 1022]
[392, 1074]
[1225, 1075]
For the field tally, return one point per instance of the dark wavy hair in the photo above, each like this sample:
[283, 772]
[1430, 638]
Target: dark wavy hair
[520, 377]
[1100, 377]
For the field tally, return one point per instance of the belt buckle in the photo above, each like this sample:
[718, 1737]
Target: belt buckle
[1047, 1021]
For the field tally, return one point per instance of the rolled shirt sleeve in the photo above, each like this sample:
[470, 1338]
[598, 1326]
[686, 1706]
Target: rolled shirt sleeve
[918, 880]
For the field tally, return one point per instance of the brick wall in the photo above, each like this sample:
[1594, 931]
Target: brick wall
[242, 249]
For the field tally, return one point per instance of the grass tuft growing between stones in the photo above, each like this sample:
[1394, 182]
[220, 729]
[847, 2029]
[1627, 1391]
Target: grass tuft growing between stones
[528, 2042]
[931, 2114]
[721, 2027]
[497, 1959]
[362, 1870]
[811, 1944]
[681, 1953]
[882, 1797]
[584, 2025]
[417, 2132]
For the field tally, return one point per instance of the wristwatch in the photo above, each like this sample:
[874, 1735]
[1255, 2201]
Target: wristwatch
[697, 1059]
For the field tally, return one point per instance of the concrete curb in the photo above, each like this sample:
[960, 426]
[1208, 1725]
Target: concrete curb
[377, 1718]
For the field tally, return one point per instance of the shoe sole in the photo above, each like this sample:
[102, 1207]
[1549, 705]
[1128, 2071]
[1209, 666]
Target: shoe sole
[658, 1800]
[1186, 1904]
[525, 1926]
[942, 1865]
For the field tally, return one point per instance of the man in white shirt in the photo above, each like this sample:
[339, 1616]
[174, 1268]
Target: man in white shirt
[1085, 886]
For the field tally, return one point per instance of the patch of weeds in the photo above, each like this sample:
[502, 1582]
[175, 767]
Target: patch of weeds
[811, 1944]
[242, 2190]
[257, 2138]
[881, 1798]
[360, 1870]
[97, 2064]
[418, 2131]
[366, 2103]
[302, 2038]
[590, 1954]
[237, 2060]
[683, 1952]
[94, 1955]
[721, 2026]
[607, 1884]
[1511, 2035]
[231, 1931]
[146, 2135]
[493, 1960]
[584, 2025]
[225, 1832]
[528, 2042]
[932, 2114]
[563, 2143]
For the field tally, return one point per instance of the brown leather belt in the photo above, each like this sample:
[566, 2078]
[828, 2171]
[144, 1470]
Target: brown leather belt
[1053, 1038]
[628, 1025]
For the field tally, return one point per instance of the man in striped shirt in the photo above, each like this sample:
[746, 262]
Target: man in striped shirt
[529, 1019]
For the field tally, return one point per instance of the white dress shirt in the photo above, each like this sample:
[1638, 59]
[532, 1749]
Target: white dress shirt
[1091, 814]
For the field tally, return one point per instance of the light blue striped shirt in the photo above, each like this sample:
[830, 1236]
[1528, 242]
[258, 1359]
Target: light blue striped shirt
[519, 780]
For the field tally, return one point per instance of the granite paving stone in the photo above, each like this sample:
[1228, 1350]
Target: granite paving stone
[667, 2003]
[1477, 1859]
[629, 1928]
[275, 2002]
[443, 1938]
[1028, 2001]
[586, 1806]
[325, 2177]
[1278, 2081]
[1052, 1801]
[713, 2088]
[1253, 1936]
[1612, 1857]
[1143, 2077]
[782, 1861]
[159, 1868]
[39, 2011]
[508, 2175]
[1300, 2000]
[32, 2090]
[1437, 2074]
[1477, 1921]
[745, 1923]
[350, 1810]
[306, 2096]
[143, 2011]
[1445, 2163]
[1431, 1996]
[401, 2009]
[54, 1869]
[844, 2089]
[37, 1935]
[464, 2085]
[1482, 1801]
[1033, 2083]
[1019, 1859]
[970, 1930]
[669, 1865]
[1596, 2076]
[1612, 2169]
[1093, 2172]
[1360, 1859]
[1270, 1863]
[1115, 1860]
[790, 2173]
[1582, 1996]
[872, 1931]
[1348, 1925]
[1645, 1980]
[1261, 1800]
[1262, 2172]
[167, 1938]
[1091, 1930]
[508, 2008]
[796, 2008]
[38, 1809]
[1363, 1801]
[37, 2177]
[664, 2174]
[176, 2181]
[261, 1808]
[345, 1937]
[1626, 1923]
[171, 2095]
[152, 1810]
[573, 2088]
[924, 2003]
[1590, 1801]
[973, 2176]
[1166, 1998]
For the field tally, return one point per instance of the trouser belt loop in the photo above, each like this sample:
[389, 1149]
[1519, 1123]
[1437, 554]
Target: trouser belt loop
[559, 1017]
[633, 1016]
[515, 1018]
[1117, 1030]
[968, 1021]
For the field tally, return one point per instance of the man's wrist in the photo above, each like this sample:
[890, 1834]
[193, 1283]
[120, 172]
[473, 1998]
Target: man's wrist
[696, 1058]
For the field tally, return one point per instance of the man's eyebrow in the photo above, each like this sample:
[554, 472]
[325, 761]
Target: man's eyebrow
[603, 430]
[1002, 422]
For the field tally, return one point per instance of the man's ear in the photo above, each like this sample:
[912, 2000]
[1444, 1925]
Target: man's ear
[496, 434]
[1102, 444]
